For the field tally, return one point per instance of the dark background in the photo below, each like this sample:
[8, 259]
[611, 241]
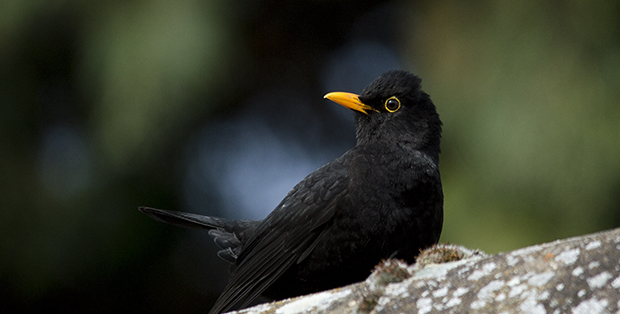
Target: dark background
[215, 107]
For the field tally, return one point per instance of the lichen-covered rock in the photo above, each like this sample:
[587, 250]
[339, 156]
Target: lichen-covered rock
[576, 275]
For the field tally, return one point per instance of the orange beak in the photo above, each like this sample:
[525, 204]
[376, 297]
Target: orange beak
[349, 100]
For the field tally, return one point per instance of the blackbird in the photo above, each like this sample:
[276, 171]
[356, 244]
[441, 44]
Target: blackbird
[381, 199]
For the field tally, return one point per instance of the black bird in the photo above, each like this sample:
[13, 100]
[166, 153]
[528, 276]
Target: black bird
[381, 199]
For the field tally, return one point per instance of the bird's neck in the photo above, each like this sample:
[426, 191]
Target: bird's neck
[423, 144]
[401, 149]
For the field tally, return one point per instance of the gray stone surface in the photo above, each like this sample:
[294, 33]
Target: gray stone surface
[576, 275]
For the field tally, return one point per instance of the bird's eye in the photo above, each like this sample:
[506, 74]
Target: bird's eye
[392, 104]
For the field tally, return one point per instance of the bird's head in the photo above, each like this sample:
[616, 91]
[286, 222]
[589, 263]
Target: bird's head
[393, 109]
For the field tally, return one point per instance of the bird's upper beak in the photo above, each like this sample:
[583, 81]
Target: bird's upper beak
[349, 100]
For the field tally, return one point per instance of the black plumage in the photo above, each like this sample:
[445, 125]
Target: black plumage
[381, 199]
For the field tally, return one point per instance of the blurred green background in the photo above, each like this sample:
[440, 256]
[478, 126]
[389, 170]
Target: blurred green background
[215, 107]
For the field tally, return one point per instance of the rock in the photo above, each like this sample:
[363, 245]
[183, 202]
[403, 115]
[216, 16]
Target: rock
[576, 275]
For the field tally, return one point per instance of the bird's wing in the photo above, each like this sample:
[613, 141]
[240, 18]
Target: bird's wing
[287, 236]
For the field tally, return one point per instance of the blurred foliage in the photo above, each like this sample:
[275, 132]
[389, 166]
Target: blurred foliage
[529, 96]
[100, 104]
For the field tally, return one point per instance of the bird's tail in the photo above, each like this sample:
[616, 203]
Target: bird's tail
[182, 219]
[229, 236]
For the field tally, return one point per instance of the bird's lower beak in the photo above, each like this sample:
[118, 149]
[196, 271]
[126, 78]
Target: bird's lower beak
[349, 100]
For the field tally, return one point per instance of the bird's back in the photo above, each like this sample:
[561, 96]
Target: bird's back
[370, 204]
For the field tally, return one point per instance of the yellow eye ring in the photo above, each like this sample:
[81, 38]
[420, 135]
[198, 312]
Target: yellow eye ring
[392, 104]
